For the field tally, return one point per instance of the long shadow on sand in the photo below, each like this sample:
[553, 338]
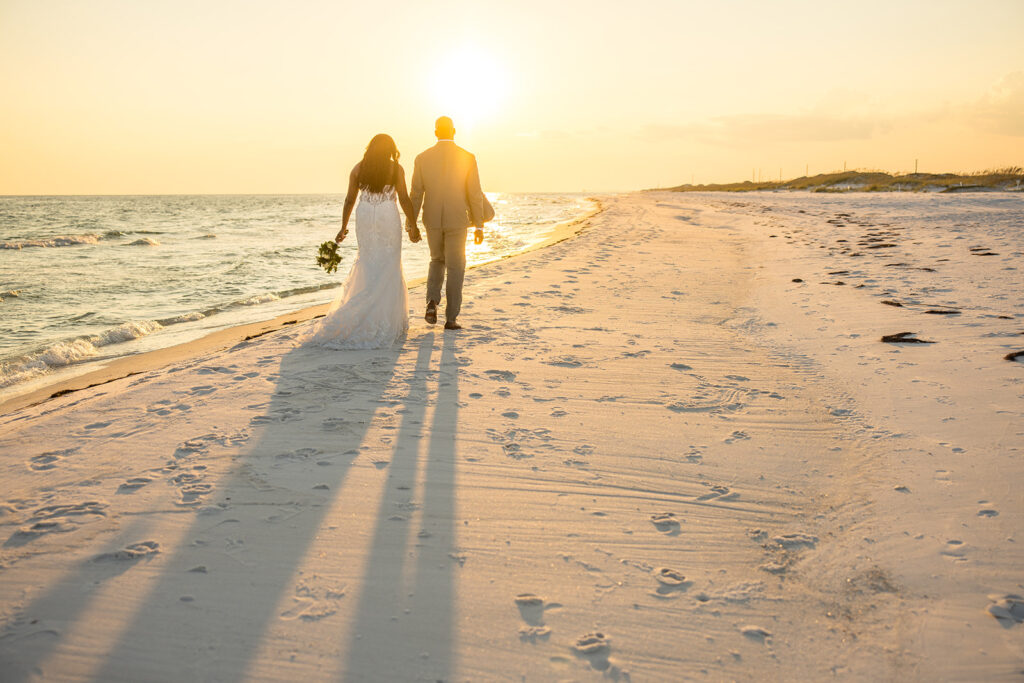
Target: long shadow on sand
[212, 609]
[403, 625]
[320, 413]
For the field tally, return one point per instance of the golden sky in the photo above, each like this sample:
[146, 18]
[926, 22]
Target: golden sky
[217, 96]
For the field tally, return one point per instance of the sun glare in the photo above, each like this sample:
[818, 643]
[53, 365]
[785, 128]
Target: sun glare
[469, 85]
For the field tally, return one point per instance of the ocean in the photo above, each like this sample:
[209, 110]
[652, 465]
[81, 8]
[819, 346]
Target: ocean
[86, 279]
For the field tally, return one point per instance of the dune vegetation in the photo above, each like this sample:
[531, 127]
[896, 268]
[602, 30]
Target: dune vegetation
[1001, 179]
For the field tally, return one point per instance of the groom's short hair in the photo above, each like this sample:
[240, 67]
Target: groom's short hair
[444, 127]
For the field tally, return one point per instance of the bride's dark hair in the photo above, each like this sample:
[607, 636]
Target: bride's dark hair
[380, 164]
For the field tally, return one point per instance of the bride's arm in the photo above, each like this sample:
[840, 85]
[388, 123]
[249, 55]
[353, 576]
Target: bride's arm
[350, 201]
[403, 198]
[407, 204]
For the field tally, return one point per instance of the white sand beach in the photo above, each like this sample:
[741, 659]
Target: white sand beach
[651, 456]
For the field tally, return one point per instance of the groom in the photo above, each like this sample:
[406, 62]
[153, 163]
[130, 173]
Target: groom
[446, 183]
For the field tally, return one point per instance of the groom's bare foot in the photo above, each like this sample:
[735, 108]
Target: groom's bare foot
[431, 314]
[452, 325]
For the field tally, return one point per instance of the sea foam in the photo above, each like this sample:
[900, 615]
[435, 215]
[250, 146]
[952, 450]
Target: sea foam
[59, 241]
[70, 351]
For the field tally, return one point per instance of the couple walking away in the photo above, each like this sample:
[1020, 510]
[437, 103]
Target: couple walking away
[372, 309]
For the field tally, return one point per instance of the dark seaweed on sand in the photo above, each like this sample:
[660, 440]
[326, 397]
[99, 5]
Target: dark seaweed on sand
[904, 338]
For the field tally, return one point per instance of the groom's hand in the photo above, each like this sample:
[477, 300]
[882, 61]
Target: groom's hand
[414, 234]
[478, 236]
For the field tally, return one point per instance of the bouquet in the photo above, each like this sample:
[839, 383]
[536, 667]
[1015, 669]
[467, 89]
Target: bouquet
[328, 257]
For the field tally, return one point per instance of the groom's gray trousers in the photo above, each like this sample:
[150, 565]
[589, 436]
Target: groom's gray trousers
[447, 257]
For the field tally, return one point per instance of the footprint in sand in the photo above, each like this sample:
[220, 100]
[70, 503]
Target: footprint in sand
[501, 375]
[300, 454]
[757, 633]
[133, 484]
[795, 540]
[130, 553]
[592, 644]
[211, 369]
[737, 436]
[337, 424]
[49, 460]
[531, 609]
[166, 407]
[783, 551]
[532, 634]
[1007, 609]
[671, 582]
[955, 550]
[57, 519]
[201, 444]
[596, 648]
[514, 440]
[565, 362]
[720, 493]
[191, 488]
[313, 603]
[666, 523]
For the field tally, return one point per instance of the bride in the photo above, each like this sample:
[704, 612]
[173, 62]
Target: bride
[372, 309]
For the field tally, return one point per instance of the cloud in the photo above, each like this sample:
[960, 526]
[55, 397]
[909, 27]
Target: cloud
[1001, 110]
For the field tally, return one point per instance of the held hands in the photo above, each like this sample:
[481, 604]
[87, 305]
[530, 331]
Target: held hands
[413, 231]
[478, 236]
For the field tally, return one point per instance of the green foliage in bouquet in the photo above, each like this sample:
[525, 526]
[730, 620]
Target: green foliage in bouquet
[328, 257]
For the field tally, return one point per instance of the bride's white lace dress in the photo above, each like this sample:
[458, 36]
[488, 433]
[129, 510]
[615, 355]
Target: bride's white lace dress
[372, 309]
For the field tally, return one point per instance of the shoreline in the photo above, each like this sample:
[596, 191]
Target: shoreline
[128, 366]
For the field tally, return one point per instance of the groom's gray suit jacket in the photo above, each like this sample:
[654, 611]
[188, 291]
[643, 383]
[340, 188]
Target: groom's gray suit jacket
[446, 184]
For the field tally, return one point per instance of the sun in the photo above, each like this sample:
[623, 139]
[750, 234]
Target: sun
[469, 85]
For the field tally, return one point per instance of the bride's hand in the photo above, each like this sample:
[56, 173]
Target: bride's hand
[341, 235]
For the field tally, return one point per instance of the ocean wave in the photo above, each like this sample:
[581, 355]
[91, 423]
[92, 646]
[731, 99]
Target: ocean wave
[126, 332]
[143, 242]
[184, 318]
[45, 242]
[255, 300]
[285, 293]
[70, 351]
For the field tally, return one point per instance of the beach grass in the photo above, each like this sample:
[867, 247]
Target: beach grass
[1005, 179]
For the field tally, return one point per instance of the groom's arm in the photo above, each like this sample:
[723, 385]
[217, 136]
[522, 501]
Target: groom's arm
[474, 195]
[416, 195]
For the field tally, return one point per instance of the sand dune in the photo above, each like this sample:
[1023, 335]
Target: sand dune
[652, 455]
